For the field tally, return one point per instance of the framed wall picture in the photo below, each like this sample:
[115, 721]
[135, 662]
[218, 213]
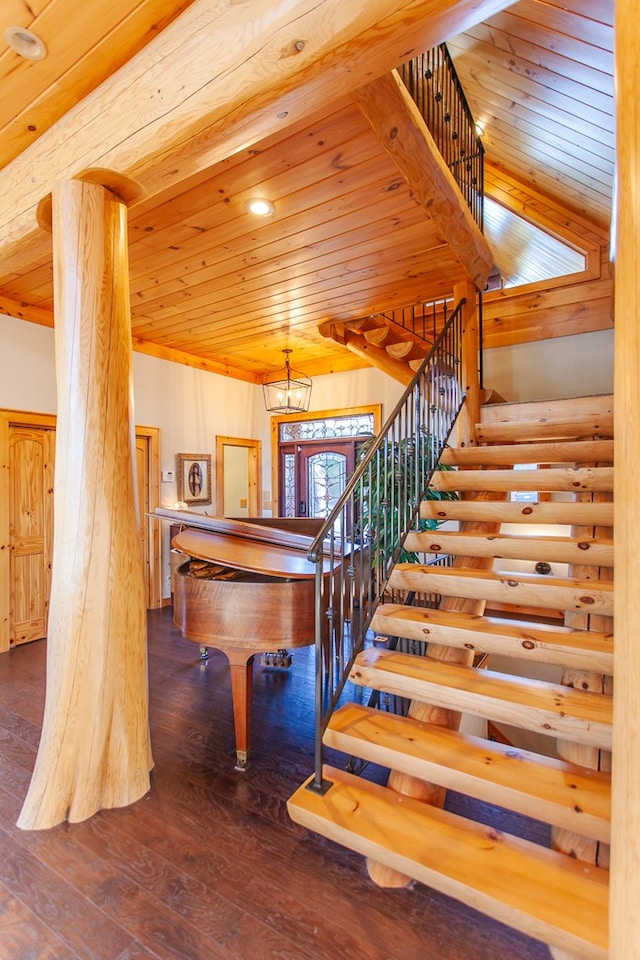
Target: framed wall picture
[194, 477]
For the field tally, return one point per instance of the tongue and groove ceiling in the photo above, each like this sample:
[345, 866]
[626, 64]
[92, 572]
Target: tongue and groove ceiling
[213, 286]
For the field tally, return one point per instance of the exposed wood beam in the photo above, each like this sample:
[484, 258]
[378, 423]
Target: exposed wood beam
[253, 68]
[396, 120]
[189, 360]
[24, 311]
[376, 356]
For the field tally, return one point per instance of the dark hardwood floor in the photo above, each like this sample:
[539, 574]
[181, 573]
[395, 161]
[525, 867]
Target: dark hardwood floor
[207, 866]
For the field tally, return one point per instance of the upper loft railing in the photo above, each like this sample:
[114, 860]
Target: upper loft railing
[362, 538]
[433, 83]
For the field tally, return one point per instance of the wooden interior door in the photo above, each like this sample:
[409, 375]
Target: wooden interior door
[27, 448]
[31, 461]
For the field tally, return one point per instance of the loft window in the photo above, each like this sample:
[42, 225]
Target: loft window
[524, 252]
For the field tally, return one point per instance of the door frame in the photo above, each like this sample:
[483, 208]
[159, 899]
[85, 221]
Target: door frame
[373, 408]
[48, 421]
[254, 450]
[152, 437]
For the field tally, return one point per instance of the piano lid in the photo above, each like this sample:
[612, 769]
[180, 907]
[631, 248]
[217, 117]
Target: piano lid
[257, 556]
[284, 531]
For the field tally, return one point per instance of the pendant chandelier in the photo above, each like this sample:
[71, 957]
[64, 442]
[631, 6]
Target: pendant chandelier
[286, 391]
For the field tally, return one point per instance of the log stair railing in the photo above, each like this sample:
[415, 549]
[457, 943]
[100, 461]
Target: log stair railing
[549, 894]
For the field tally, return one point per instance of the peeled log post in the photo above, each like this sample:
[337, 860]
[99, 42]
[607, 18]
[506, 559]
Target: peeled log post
[94, 750]
[624, 922]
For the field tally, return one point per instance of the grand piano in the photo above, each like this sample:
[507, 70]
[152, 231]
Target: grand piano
[244, 587]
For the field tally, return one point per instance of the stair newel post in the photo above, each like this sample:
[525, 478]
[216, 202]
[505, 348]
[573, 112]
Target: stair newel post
[94, 750]
[471, 346]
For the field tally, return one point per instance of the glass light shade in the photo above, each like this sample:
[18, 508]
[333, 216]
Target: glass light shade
[286, 391]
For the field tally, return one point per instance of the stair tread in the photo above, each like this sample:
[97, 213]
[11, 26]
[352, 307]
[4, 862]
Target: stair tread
[561, 451]
[530, 589]
[564, 646]
[575, 479]
[537, 786]
[522, 577]
[583, 550]
[549, 708]
[544, 893]
[585, 405]
[506, 537]
[573, 513]
[597, 426]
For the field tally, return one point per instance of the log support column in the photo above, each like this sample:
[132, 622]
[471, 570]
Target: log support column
[94, 751]
[624, 923]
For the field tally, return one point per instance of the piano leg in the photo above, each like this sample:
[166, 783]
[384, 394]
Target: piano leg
[241, 668]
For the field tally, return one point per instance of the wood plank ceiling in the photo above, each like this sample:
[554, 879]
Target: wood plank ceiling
[215, 287]
[539, 79]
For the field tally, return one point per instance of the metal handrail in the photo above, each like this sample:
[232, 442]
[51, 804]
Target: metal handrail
[362, 538]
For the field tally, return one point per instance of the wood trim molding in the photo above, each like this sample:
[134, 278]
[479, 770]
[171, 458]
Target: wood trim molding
[153, 529]
[254, 448]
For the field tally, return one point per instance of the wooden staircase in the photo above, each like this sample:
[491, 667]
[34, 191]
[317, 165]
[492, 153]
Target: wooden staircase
[550, 638]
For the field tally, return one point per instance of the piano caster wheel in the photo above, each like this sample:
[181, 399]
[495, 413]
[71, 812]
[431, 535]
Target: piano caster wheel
[241, 761]
[204, 653]
[280, 659]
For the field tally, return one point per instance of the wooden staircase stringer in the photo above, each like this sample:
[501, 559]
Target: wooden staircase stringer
[567, 841]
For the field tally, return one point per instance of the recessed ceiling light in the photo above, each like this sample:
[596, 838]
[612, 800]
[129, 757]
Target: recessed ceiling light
[260, 207]
[25, 43]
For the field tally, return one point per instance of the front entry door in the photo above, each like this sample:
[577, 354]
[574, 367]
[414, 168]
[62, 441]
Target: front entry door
[315, 475]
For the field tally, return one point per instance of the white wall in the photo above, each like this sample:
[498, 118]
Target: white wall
[27, 367]
[574, 366]
[191, 406]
